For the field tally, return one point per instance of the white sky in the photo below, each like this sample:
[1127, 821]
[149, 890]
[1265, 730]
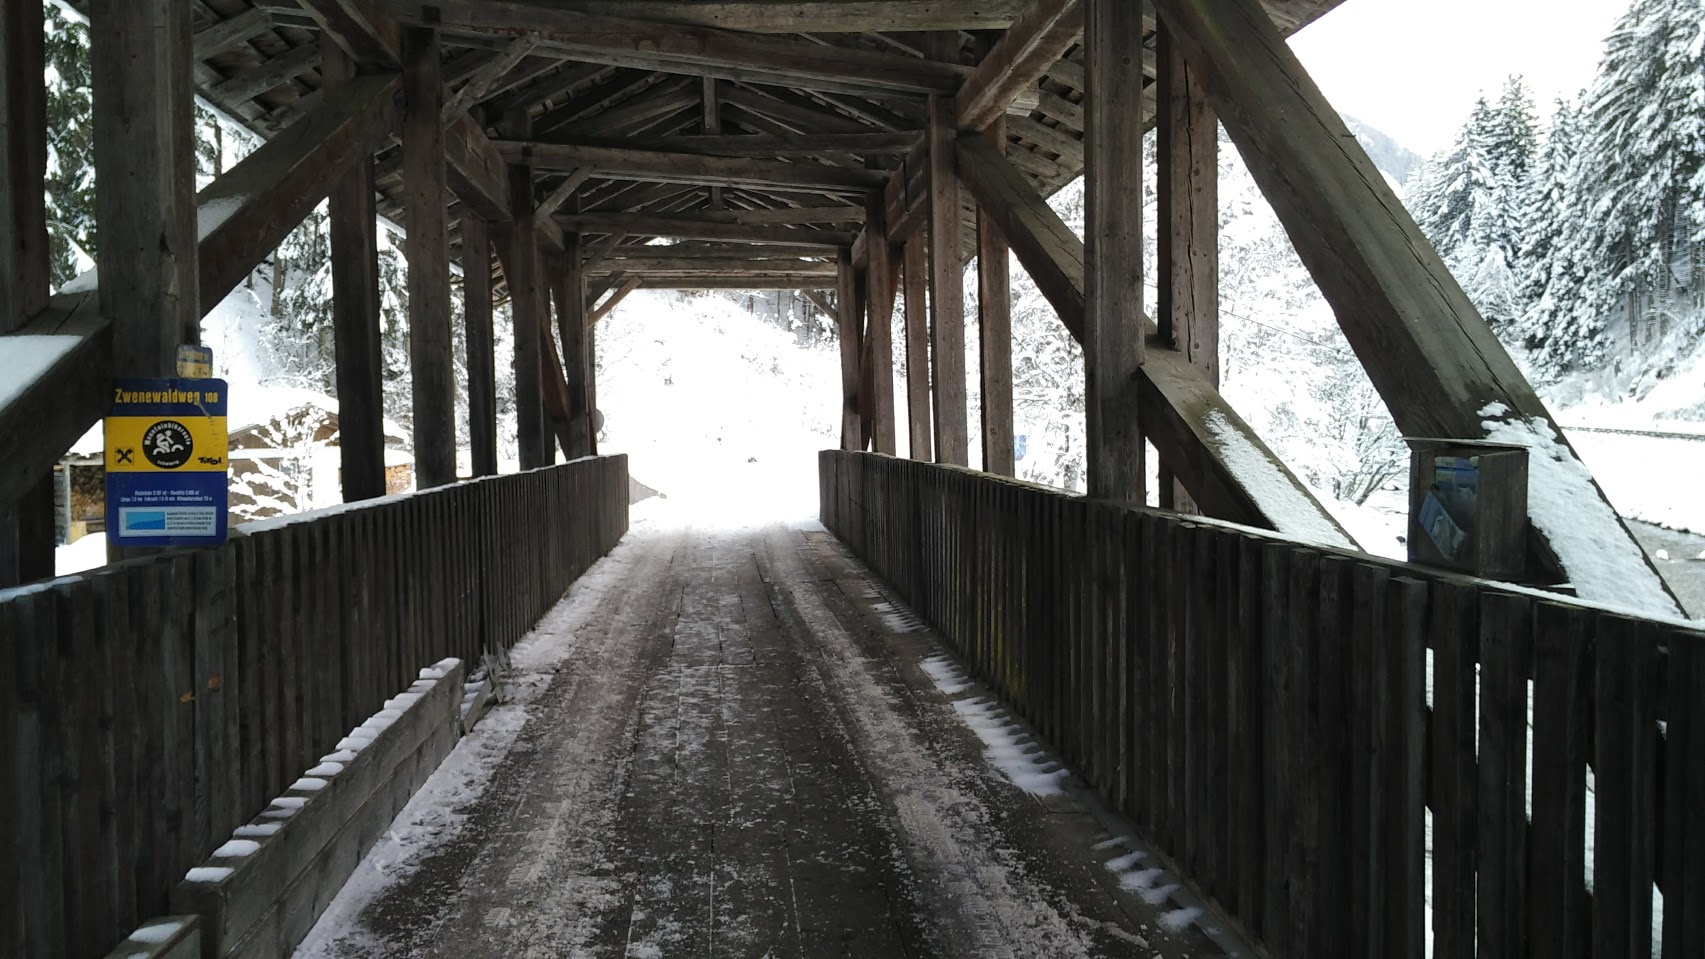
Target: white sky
[1412, 68]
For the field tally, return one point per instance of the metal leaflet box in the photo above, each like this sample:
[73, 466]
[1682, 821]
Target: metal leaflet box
[1468, 507]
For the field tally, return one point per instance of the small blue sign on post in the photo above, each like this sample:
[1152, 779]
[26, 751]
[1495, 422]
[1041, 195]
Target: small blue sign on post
[1020, 446]
[166, 449]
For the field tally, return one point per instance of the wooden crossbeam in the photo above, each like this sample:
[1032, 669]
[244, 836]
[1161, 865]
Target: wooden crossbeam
[474, 90]
[667, 264]
[621, 293]
[1424, 345]
[225, 34]
[697, 51]
[361, 27]
[660, 100]
[1041, 37]
[812, 16]
[798, 113]
[774, 281]
[274, 72]
[785, 216]
[666, 226]
[688, 167]
[769, 145]
[247, 212]
[51, 411]
[1185, 418]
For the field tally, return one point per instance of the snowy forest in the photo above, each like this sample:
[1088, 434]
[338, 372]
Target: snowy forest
[1581, 238]
[1583, 241]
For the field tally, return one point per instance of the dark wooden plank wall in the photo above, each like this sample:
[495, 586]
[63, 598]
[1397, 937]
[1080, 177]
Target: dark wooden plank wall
[149, 708]
[1284, 721]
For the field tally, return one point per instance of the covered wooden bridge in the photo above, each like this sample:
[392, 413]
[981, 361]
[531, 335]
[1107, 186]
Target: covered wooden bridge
[1329, 753]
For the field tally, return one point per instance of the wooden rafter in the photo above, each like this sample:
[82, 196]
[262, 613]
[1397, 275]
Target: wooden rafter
[1044, 34]
[688, 168]
[695, 51]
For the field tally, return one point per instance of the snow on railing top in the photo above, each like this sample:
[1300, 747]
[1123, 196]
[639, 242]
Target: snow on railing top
[1598, 556]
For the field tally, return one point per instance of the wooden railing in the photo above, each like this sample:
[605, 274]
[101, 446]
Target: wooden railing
[1284, 720]
[149, 708]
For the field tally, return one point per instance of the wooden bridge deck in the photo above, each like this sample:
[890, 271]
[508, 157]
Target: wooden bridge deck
[733, 749]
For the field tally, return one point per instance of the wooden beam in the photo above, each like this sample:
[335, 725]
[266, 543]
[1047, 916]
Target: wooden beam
[994, 334]
[710, 96]
[248, 211]
[26, 524]
[561, 192]
[767, 282]
[1424, 344]
[521, 270]
[621, 293]
[482, 360]
[1188, 193]
[785, 216]
[475, 171]
[669, 96]
[576, 359]
[596, 252]
[694, 51]
[780, 145]
[73, 342]
[688, 167]
[1051, 253]
[222, 35]
[812, 16]
[427, 246]
[663, 263]
[947, 290]
[268, 74]
[556, 396]
[1185, 418]
[879, 329]
[145, 154]
[1113, 231]
[365, 31]
[356, 323]
[1042, 36]
[801, 115]
[916, 280]
[848, 323]
[474, 90]
[635, 224]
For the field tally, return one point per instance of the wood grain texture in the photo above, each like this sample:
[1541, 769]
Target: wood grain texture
[482, 361]
[994, 334]
[427, 246]
[915, 277]
[1041, 37]
[355, 307]
[880, 291]
[946, 290]
[145, 156]
[1113, 344]
[849, 326]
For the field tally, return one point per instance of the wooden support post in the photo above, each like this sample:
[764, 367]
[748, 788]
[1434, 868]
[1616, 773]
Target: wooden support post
[1113, 177]
[994, 333]
[879, 330]
[482, 363]
[1188, 271]
[846, 314]
[148, 258]
[916, 278]
[946, 289]
[26, 525]
[527, 307]
[145, 161]
[355, 313]
[571, 323]
[425, 190]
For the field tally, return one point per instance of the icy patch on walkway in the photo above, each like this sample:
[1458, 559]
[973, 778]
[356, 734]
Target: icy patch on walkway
[946, 675]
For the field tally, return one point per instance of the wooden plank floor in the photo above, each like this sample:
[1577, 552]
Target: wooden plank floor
[741, 755]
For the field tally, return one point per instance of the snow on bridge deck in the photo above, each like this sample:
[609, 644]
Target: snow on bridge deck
[732, 743]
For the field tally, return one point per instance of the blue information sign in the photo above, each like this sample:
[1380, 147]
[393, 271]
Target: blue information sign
[166, 465]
